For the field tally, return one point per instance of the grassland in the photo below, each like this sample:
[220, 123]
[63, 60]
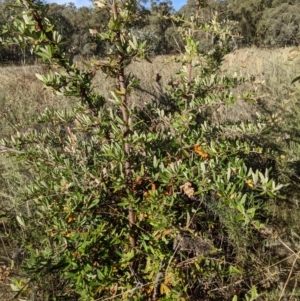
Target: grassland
[22, 95]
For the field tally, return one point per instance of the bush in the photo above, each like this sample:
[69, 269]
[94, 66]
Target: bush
[140, 204]
[279, 26]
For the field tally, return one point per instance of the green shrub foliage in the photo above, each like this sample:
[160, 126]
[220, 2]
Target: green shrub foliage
[159, 202]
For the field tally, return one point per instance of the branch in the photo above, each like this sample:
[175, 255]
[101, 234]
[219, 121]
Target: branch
[4, 149]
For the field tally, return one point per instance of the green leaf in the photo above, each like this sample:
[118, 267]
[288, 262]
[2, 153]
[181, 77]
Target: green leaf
[254, 294]
[228, 174]
[94, 203]
[155, 162]
[165, 290]
[21, 221]
[41, 77]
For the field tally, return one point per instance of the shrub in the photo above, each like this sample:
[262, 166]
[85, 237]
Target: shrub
[135, 203]
[279, 26]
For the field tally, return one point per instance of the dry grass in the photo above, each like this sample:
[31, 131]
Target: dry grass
[149, 89]
[265, 64]
[272, 69]
[22, 97]
[22, 94]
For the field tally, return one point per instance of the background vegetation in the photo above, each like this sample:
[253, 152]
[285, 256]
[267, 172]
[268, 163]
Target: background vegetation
[262, 23]
[211, 221]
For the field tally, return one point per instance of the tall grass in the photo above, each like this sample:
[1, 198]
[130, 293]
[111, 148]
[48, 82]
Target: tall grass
[23, 96]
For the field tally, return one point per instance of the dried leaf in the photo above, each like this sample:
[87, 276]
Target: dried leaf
[198, 150]
[187, 189]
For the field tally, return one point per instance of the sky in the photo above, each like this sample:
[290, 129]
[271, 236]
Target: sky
[176, 3]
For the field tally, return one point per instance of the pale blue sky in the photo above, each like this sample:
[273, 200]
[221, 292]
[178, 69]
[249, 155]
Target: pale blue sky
[176, 3]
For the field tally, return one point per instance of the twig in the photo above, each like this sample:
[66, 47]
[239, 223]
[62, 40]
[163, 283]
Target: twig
[127, 292]
[227, 286]
[294, 288]
[279, 240]
[21, 290]
[158, 279]
[4, 246]
[282, 260]
[4, 149]
[288, 278]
